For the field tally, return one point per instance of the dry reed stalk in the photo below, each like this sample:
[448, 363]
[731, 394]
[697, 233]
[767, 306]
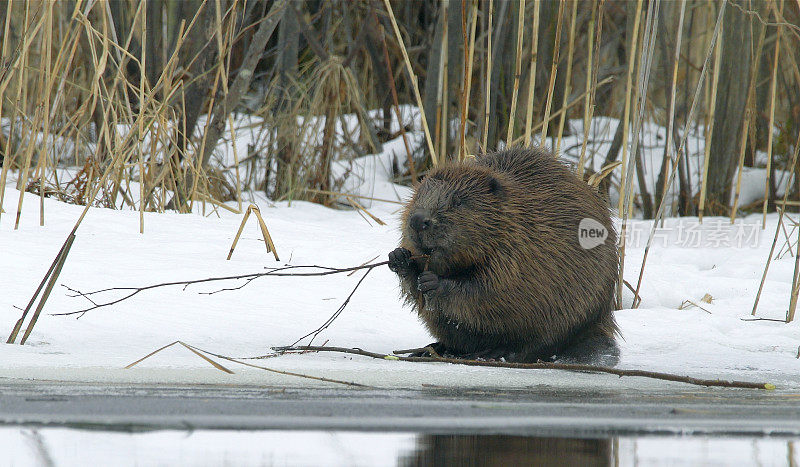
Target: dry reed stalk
[210, 361]
[557, 114]
[795, 288]
[216, 205]
[777, 231]
[35, 123]
[154, 180]
[18, 325]
[44, 93]
[236, 163]
[414, 84]
[24, 78]
[623, 180]
[5, 149]
[469, 52]
[200, 352]
[87, 189]
[553, 71]
[771, 127]
[225, 43]
[50, 279]
[682, 146]
[568, 80]
[105, 52]
[673, 93]
[20, 64]
[444, 127]
[142, 105]
[441, 82]
[794, 68]
[787, 235]
[396, 105]
[361, 208]
[591, 79]
[740, 165]
[345, 195]
[517, 71]
[264, 231]
[24, 172]
[170, 170]
[596, 178]
[196, 168]
[60, 260]
[645, 62]
[71, 37]
[707, 89]
[795, 282]
[485, 138]
[710, 131]
[462, 117]
[532, 74]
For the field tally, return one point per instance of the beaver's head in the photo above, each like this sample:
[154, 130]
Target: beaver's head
[455, 216]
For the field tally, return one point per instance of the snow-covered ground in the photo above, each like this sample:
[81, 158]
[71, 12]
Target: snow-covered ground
[666, 333]
[713, 258]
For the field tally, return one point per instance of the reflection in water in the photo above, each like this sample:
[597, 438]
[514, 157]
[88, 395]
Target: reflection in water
[63, 446]
[434, 450]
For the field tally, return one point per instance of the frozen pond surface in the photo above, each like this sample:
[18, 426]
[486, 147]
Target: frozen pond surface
[68, 423]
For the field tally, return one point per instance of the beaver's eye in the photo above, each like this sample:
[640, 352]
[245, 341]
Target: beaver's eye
[457, 201]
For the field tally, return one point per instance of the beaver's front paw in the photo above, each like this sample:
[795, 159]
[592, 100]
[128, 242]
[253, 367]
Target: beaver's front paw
[400, 261]
[437, 347]
[428, 282]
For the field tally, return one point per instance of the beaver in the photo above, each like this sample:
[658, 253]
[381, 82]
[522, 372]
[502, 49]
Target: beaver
[491, 258]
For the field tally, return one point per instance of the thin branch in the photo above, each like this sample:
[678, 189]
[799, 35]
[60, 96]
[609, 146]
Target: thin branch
[783, 321]
[326, 270]
[335, 314]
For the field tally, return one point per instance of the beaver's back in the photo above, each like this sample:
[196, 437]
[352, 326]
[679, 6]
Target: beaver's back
[547, 190]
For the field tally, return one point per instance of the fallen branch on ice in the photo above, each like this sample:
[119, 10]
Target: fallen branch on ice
[535, 366]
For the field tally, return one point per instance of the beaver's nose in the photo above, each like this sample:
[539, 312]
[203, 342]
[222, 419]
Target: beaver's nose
[419, 221]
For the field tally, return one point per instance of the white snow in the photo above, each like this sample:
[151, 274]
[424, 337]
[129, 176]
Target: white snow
[688, 260]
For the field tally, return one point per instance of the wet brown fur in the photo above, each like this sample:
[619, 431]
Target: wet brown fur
[513, 280]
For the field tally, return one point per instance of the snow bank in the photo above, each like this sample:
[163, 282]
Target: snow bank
[667, 333]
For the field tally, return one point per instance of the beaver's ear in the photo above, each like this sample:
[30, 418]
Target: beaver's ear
[496, 187]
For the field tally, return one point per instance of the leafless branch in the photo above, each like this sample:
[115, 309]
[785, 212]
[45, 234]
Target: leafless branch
[538, 366]
[326, 270]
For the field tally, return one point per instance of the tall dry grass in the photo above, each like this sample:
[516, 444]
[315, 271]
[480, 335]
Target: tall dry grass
[97, 110]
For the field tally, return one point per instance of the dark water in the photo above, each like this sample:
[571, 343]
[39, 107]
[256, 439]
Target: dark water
[433, 450]
[69, 446]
